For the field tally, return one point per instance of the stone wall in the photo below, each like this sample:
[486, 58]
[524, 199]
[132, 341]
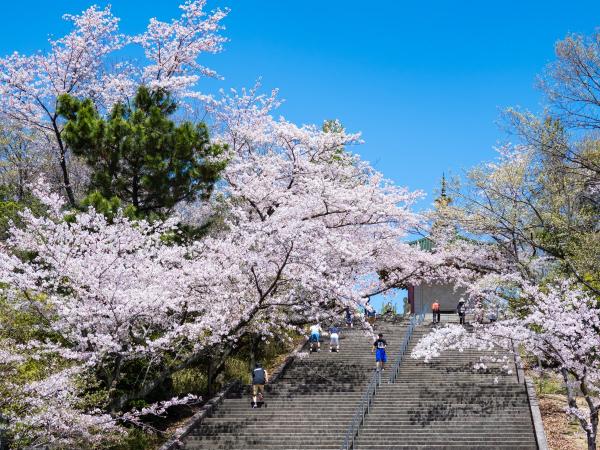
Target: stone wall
[445, 294]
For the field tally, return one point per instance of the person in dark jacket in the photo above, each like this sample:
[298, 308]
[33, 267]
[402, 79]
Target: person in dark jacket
[461, 309]
[349, 317]
[260, 377]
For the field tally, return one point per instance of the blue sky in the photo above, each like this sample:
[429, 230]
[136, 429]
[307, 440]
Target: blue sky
[423, 81]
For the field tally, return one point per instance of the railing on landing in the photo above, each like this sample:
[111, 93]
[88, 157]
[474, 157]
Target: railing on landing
[366, 400]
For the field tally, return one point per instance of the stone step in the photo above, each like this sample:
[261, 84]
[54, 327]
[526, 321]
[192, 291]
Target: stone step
[447, 446]
[312, 403]
[437, 440]
[508, 445]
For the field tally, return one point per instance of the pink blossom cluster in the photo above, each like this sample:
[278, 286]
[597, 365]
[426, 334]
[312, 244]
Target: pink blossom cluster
[557, 322]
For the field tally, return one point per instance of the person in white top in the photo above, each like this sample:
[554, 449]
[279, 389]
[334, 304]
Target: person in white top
[315, 335]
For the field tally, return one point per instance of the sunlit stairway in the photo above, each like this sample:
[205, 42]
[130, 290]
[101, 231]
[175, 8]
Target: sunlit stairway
[309, 407]
[447, 404]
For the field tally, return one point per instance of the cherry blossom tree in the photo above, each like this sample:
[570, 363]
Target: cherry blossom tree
[78, 64]
[516, 257]
[304, 183]
[19, 163]
[558, 323]
[30, 85]
[304, 227]
[99, 293]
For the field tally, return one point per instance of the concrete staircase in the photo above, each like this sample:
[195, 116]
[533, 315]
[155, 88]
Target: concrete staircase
[446, 404]
[309, 406]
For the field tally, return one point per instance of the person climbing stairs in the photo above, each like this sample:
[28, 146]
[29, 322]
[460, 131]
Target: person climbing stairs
[309, 406]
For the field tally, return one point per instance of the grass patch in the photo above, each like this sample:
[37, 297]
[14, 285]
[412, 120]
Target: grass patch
[548, 385]
[189, 381]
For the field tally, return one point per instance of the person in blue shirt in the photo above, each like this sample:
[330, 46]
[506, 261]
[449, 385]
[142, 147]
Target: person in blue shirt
[260, 377]
[379, 348]
[334, 339]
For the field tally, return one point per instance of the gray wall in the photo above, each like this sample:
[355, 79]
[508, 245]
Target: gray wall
[445, 295]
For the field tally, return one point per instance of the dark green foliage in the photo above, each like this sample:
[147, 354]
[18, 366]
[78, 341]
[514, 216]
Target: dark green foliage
[141, 156]
[9, 213]
[108, 207]
[11, 205]
[137, 439]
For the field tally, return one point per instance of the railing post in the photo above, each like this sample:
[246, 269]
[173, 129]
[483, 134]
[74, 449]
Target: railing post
[374, 384]
[518, 363]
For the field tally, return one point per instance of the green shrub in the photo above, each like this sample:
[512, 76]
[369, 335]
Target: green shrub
[389, 308]
[192, 380]
[547, 385]
[136, 439]
[237, 369]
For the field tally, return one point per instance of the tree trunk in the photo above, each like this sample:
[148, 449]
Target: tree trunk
[66, 180]
[21, 184]
[591, 435]
[594, 421]
[135, 192]
[253, 348]
[63, 162]
[592, 429]
[591, 440]
[216, 365]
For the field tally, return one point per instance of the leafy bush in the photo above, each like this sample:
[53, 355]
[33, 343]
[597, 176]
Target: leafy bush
[189, 381]
[548, 385]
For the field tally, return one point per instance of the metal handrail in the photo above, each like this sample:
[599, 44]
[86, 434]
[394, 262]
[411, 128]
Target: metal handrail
[403, 348]
[421, 316]
[415, 320]
[518, 363]
[363, 409]
[364, 405]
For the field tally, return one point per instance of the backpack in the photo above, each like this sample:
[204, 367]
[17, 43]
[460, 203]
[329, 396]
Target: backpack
[258, 376]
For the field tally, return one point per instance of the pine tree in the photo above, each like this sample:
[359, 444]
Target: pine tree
[139, 154]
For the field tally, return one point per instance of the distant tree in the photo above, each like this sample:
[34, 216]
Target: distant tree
[141, 156]
[571, 81]
[333, 126]
[19, 161]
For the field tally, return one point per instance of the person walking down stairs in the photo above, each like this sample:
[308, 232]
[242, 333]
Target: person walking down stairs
[370, 313]
[260, 377]
[435, 309]
[379, 348]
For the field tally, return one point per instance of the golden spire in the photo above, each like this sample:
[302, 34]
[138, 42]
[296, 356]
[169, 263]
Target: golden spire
[443, 200]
